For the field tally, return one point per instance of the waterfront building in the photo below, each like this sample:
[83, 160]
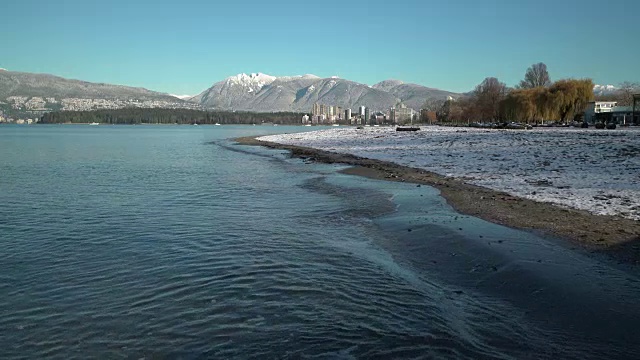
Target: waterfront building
[619, 115]
[597, 107]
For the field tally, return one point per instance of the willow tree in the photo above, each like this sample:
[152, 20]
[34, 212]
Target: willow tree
[520, 105]
[545, 105]
[570, 97]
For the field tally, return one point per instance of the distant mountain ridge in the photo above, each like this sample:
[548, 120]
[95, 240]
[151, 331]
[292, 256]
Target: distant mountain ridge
[261, 92]
[37, 93]
[13, 83]
[33, 94]
[413, 95]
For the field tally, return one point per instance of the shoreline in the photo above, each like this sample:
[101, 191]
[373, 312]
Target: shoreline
[614, 236]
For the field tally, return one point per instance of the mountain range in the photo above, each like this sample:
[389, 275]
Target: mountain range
[243, 92]
[37, 93]
[261, 92]
[604, 89]
[30, 95]
[14, 83]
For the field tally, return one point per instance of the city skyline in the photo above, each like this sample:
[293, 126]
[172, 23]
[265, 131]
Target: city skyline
[184, 49]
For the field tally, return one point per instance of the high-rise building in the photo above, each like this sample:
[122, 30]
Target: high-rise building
[361, 110]
[347, 115]
[401, 114]
[316, 109]
[367, 116]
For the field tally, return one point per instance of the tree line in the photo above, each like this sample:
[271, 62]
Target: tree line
[168, 116]
[535, 99]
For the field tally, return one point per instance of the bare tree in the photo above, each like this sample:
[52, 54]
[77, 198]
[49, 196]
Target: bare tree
[536, 76]
[433, 104]
[487, 98]
[625, 92]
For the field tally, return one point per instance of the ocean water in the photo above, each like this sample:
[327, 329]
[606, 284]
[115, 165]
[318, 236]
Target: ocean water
[175, 242]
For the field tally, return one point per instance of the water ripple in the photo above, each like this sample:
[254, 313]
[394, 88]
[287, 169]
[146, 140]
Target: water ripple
[171, 248]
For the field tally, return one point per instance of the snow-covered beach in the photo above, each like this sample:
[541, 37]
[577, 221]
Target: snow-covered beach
[586, 169]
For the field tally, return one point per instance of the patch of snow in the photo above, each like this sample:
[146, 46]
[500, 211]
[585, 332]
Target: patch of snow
[183, 97]
[298, 77]
[254, 82]
[592, 170]
[3, 69]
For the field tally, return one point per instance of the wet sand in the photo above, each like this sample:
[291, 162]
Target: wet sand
[611, 235]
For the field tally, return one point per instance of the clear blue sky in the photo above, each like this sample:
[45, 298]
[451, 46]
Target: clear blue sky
[184, 46]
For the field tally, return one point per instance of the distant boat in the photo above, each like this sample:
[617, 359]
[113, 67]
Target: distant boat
[194, 124]
[407, 128]
[308, 125]
[335, 125]
[94, 123]
[217, 124]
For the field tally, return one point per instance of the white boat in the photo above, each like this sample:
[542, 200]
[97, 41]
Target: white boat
[94, 123]
[217, 124]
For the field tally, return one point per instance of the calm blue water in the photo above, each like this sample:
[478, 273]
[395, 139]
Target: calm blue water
[173, 242]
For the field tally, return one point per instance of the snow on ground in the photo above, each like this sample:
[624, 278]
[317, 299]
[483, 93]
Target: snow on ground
[588, 169]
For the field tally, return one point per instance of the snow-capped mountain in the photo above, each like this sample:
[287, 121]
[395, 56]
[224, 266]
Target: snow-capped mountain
[604, 89]
[261, 92]
[252, 82]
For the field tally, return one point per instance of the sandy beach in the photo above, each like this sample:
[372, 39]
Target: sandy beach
[615, 235]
